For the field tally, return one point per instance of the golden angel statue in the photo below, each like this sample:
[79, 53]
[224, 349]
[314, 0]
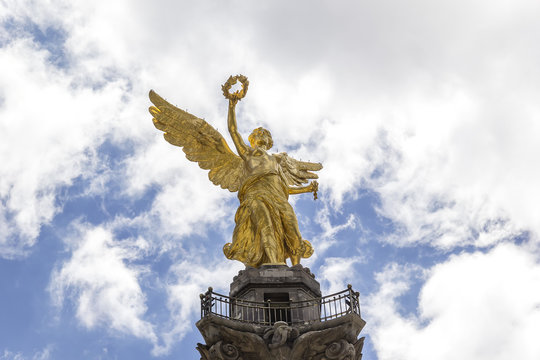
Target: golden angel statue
[266, 230]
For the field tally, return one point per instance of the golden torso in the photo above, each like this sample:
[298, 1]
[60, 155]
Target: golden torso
[259, 162]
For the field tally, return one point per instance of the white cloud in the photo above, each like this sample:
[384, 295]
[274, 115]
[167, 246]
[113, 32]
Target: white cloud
[44, 354]
[437, 102]
[329, 236]
[187, 200]
[422, 107]
[451, 184]
[189, 279]
[49, 129]
[336, 273]
[482, 305]
[8, 355]
[102, 281]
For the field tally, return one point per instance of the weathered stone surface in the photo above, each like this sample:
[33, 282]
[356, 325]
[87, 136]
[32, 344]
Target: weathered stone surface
[330, 340]
[222, 351]
[279, 339]
[297, 280]
[316, 338]
[275, 284]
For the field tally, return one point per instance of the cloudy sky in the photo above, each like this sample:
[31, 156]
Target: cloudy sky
[425, 115]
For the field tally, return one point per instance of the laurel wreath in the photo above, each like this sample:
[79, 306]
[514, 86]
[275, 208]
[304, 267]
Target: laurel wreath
[239, 94]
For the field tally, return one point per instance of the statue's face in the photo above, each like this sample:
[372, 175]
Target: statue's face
[259, 141]
[261, 138]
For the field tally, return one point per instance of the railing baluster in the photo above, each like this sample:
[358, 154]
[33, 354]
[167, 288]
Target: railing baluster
[349, 287]
[292, 312]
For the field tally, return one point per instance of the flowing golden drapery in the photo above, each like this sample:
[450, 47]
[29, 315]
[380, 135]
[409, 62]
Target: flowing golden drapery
[265, 222]
[266, 229]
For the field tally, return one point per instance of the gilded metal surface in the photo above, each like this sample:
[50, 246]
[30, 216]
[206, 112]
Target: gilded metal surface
[266, 229]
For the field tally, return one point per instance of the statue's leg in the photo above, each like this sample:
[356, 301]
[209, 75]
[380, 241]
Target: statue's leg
[262, 220]
[270, 246]
[294, 238]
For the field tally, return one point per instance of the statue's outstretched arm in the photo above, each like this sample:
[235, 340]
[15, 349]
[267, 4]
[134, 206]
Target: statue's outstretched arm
[312, 187]
[241, 146]
[295, 173]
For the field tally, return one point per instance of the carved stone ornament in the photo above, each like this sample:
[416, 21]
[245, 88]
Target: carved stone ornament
[203, 350]
[331, 340]
[221, 351]
[341, 350]
[279, 334]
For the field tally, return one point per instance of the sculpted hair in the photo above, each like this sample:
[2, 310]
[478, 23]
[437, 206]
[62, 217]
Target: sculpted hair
[260, 131]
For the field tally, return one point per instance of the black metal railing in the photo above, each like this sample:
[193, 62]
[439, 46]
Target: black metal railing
[292, 312]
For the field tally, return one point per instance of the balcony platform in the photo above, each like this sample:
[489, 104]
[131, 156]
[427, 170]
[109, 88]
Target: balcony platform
[276, 312]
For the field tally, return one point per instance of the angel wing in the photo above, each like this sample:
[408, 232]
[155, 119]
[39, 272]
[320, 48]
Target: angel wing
[200, 141]
[296, 172]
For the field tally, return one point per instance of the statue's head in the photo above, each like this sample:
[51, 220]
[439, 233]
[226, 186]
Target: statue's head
[261, 137]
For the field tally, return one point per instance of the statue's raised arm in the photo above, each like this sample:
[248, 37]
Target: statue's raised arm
[266, 230]
[233, 98]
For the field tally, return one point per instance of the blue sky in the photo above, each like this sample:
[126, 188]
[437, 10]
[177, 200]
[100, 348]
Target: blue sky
[424, 114]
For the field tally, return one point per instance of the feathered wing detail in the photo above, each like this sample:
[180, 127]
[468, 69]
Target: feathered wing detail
[296, 172]
[200, 141]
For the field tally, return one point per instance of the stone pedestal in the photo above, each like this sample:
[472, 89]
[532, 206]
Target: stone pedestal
[276, 312]
[278, 287]
[256, 283]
